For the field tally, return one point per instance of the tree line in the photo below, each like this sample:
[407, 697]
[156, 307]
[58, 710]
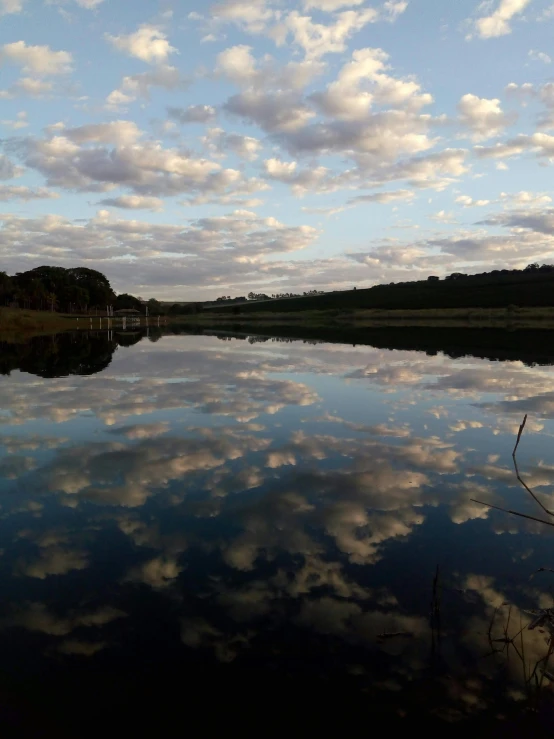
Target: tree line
[73, 290]
[529, 287]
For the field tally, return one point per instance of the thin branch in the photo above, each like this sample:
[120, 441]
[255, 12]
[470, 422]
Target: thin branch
[522, 426]
[531, 493]
[514, 513]
[519, 478]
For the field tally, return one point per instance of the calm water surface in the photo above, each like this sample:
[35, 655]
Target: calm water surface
[196, 528]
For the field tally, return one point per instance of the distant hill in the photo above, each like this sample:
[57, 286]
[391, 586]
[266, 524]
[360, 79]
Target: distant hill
[531, 287]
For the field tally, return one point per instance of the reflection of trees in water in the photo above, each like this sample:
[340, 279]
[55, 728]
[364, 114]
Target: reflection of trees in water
[75, 353]
[530, 346]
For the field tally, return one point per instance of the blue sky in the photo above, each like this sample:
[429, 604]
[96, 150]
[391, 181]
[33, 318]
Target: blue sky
[190, 150]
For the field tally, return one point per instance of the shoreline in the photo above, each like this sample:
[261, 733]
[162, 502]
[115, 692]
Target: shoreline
[21, 324]
[509, 318]
[17, 324]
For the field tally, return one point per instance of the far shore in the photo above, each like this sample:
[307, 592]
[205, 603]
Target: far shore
[509, 318]
[19, 324]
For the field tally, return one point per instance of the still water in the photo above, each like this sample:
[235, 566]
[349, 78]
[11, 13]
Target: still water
[214, 527]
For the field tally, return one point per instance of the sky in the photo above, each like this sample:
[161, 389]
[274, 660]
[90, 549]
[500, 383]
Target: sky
[191, 149]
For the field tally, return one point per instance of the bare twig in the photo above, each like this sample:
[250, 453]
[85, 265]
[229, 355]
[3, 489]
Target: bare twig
[541, 569]
[514, 513]
[522, 482]
[522, 426]
[519, 478]
[531, 493]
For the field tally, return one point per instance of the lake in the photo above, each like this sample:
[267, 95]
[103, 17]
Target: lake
[220, 527]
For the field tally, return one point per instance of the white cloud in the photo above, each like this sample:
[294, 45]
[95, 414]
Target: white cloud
[87, 4]
[482, 116]
[364, 82]
[540, 56]
[251, 15]
[302, 182]
[467, 202]
[329, 6]
[19, 192]
[220, 143]
[39, 60]
[547, 14]
[82, 159]
[8, 170]
[383, 198]
[272, 111]
[134, 202]
[443, 217]
[318, 39]
[541, 144]
[526, 199]
[237, 64]
[194, 255]
[193, 114]
[498, 22]
[148, 43]
[117, 132]
[11, 6]
[28, 86]
[18, 123]
[140, 85]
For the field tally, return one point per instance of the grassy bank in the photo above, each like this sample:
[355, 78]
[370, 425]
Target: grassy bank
[16, 323]
[446, 317]
[19, 325]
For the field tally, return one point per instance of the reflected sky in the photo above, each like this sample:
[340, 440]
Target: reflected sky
[261, 509]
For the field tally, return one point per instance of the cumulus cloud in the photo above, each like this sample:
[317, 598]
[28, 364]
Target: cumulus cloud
[17, 123]
[134, 202]
[540, 56]
[193, 255]
[220, 143]
[39, 60]
[11, 6]
[20, 192]
[317, 39]
[498, 22]
[484, 118]
[539, 143]
[193, 114]
[329, 6]
[251, 15]
[28, 86]
[148, 43]
[82, 159]
[117, 132]
[526, 199]
[468, 202]
[539, 221]
[529, 92]
[140, 85]
[86, 4]
[8, 169]
[345, 98]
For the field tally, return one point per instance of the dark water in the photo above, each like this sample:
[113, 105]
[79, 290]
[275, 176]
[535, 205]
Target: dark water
[201, 531]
